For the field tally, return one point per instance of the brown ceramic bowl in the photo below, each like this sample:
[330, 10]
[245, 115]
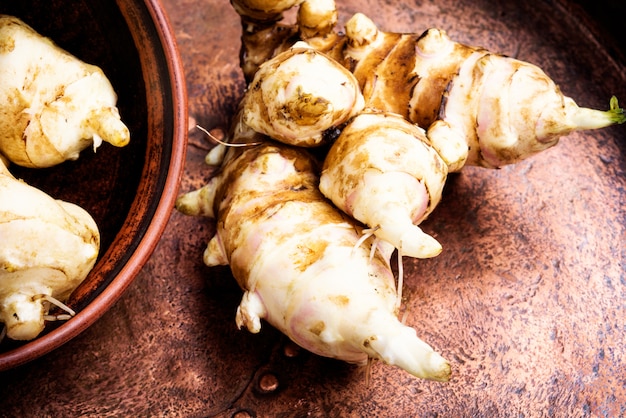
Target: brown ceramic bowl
[129, 191]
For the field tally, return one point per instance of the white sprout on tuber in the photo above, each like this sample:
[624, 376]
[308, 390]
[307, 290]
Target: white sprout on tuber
[371, 232]
[365, 234]
[224, 143]
[54, 301]
[216, 155]
[374, 246]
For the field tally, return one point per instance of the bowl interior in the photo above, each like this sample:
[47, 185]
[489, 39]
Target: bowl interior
[128, 191]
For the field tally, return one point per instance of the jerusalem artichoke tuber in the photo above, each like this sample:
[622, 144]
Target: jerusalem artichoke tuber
[47, 248]
[478, 108]
[52, 105]
[304, 267]
[382, 171]
[298, 95]
[299, 262]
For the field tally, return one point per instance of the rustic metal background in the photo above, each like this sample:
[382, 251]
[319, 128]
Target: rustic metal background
[527, 300]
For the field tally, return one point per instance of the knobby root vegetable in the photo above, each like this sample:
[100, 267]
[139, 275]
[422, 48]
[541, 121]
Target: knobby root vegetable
[52, 105]
[298, 261]
[47, 248]
[478, 108]
[382, 171]
[263, 36]
[318, 275]
[263, 11]
[316, 20]
[299, 95]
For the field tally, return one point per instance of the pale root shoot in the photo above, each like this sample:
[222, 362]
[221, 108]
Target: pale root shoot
[373, 248]
[215, 156]
[25, 314]
[585, 118]
[366, 233]
[578, 119]
[405, 315]
[60, 317]
[198, 202]
[224, 143]
[389, 201]
[368, 371]
[214, 254]
[250, 311]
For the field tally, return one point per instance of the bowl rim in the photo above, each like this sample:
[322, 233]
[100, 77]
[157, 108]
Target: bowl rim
[148, 242]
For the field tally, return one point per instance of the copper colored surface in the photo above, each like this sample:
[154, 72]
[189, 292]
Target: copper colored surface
[527, 299]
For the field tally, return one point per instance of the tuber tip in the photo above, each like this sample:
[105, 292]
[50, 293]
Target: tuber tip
[188, 203]
[198, 202]
[214, 254]
[582, 118]
[398, 345]
[110, 128]
[23, 316]
[409, 239]
[616, 112]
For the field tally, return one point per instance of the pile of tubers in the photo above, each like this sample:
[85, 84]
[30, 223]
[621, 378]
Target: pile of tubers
[52, 106]
[309, 239]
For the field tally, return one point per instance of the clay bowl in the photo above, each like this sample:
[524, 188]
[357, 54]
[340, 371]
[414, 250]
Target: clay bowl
[130, 191]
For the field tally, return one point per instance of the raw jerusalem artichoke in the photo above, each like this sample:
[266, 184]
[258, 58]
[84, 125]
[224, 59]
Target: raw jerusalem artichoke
[301, 264]
[52, 105]
[263, 36]
[382, 171]
[478, 108]
[47, 248]
[299, 95]
[429, 106]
